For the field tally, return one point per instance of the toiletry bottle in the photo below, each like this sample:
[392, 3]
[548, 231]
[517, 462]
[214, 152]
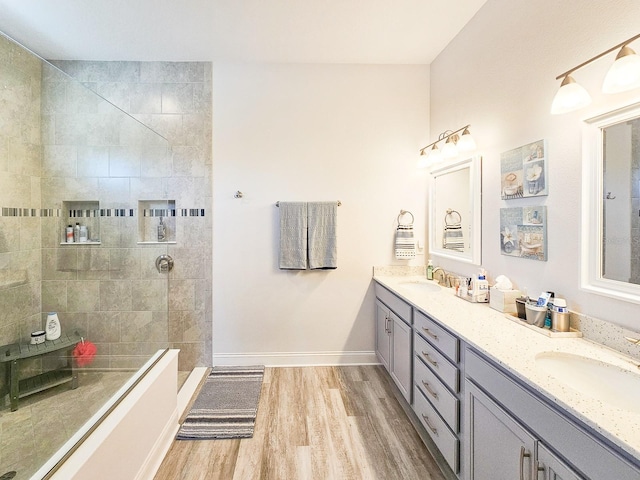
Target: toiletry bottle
[69, 234]
[547, 318]
[52, 327]
[76, 232]
[84, 234]
[162, 231]
[430, 270]
[481, 288]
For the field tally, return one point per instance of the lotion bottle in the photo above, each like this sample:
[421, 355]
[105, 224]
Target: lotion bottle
[52, 328]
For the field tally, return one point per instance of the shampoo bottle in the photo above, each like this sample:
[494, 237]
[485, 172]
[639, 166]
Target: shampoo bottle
[162, 231]
[52, 327]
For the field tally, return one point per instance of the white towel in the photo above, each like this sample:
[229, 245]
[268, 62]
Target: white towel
[322, 235]
[405, 242]
[293, 235]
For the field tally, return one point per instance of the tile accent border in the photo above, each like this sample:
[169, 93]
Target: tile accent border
[101, 212]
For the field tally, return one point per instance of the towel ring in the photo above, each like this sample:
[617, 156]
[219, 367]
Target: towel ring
[402, 213]
[450, 214]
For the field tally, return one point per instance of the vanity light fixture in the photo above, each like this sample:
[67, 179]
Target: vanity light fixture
[623, 75]
[453, 145]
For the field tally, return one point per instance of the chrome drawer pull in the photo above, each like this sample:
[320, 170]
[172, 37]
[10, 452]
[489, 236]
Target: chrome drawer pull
[428, 389]
[430, 333]
[523, 454]
[431, 427]
[429, 359]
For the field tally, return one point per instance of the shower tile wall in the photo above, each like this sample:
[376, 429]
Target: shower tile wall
[115, 291]
[20, 168]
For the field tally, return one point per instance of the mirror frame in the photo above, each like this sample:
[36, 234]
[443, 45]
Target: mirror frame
[474, 164]
[591, 278]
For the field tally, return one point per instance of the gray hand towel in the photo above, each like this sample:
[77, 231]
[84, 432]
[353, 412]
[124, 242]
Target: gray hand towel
[322, 235]
[293, 235]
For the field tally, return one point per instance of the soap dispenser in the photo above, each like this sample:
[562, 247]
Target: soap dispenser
[429, 270]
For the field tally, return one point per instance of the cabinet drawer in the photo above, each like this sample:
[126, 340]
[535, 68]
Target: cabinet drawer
[438, 336]
[399, 306]
[447, 442]
[437, 362]
[445, 402]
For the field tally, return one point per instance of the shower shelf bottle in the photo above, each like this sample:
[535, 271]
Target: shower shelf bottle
[52, 328]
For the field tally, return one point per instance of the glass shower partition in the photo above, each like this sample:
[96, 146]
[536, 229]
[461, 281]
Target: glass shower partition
[85, 226]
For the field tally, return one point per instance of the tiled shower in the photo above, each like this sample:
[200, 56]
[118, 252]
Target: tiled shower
[109, 146]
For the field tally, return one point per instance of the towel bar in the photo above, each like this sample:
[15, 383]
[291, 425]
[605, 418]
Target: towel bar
[278, 203]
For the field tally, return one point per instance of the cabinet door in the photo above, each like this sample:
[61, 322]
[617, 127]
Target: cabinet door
[383, 335]
[550, 467]
[499, 448]
[401, 353]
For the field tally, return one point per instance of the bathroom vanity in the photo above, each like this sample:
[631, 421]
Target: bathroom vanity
[488, 393]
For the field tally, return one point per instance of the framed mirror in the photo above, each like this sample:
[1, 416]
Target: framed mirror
[611, 204]
[455, 206]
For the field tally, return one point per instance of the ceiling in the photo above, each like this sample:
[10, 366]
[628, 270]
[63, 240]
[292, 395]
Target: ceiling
[289, 31]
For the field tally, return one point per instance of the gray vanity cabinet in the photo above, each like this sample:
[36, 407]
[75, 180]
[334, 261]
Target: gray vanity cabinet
[515, 433]
[500, 448]
[436, 379]
[394, 338]
[383, 334]
[550, 467]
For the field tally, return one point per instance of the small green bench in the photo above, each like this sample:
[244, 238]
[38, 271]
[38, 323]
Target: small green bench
[14, 353]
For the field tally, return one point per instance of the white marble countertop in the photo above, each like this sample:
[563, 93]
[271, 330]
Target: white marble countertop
[515, 347]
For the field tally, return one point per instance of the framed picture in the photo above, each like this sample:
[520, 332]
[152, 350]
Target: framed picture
[523, 171]
[523, 232]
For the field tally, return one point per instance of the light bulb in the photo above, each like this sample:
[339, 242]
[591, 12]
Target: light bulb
[423, 160]
[466, 142]
[449, 150]
[435, 155]
[571, 96]
[624, 74]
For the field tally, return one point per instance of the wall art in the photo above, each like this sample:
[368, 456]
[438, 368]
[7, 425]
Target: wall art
[523, 232]
[523, 171]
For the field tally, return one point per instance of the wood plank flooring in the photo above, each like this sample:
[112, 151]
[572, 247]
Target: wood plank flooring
[340, 423]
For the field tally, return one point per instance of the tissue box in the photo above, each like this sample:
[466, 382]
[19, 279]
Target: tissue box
[503, 300]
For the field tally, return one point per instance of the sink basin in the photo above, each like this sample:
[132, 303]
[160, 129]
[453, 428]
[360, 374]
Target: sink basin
[608, 383]
[419, 286]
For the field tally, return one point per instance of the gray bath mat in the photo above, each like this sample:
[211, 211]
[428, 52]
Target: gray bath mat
[226, 406]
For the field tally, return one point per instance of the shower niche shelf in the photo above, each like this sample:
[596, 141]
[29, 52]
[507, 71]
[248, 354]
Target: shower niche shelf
[150, 214]
[86, 213]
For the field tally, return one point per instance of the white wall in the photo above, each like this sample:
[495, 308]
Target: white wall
[499, 75]
[310, 132]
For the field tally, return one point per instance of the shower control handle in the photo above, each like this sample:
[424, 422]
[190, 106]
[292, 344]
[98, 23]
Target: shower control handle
[164, 263]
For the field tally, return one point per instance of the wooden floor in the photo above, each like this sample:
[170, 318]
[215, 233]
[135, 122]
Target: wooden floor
[314, 423]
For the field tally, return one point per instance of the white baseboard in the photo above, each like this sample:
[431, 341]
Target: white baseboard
[296, 359]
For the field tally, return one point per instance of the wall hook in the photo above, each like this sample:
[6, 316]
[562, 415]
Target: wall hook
[238, 194]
